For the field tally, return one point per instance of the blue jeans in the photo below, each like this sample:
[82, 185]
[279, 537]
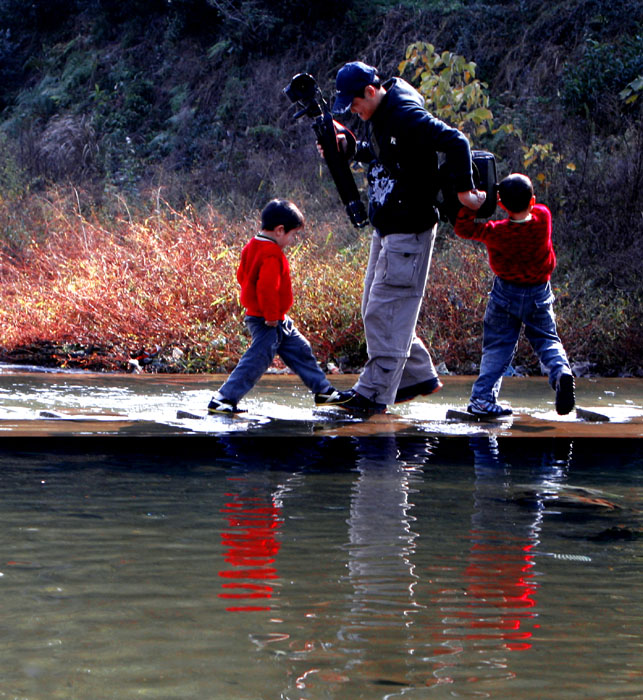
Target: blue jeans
[509, 307]
[267, 341]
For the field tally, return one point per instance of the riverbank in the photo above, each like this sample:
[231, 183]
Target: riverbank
[159, 293]
[51, 356]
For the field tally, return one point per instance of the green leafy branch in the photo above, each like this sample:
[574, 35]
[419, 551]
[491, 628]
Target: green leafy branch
[452, 92]
[448, 84]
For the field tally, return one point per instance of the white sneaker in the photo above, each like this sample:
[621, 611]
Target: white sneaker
[489, 409]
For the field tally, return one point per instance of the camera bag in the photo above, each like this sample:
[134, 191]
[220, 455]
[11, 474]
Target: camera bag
[485, 178]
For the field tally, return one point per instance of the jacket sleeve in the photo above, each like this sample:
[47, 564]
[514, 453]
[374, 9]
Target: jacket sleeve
[440, 137]
[466, 225]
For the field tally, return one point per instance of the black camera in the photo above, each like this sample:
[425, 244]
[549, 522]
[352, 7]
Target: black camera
[304, 91]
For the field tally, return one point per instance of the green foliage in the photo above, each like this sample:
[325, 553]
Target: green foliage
[266, 27]
[9, 64]
[233, 99]
[16, 203]
[631, 93]
[604, 70]
[447, 82]
[12, 180]
[541, 161]
[266, 134]
[64, 69]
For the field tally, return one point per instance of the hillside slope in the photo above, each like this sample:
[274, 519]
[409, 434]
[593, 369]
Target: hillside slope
[120, 106]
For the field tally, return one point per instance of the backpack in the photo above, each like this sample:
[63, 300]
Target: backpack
[484, 178]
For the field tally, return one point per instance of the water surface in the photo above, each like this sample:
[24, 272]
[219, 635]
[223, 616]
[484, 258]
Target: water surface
[379, 567]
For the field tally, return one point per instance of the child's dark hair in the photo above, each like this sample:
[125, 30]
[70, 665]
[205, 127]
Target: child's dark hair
[515, 192]
[281, 212]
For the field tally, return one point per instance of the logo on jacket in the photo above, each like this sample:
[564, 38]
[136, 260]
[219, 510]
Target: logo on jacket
[380, 184]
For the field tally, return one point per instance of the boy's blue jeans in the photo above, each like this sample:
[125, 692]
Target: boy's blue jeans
[509, 307]
[267, 341]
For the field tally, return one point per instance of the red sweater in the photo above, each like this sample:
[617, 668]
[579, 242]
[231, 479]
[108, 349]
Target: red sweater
[519, 252]
[264, 276]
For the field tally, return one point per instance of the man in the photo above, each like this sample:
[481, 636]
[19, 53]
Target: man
[401, 153]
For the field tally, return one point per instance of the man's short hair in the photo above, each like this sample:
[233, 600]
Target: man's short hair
[376, 83]
[516, 192]
[281, 212]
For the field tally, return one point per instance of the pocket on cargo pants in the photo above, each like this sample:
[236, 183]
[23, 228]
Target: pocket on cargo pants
[402, 256]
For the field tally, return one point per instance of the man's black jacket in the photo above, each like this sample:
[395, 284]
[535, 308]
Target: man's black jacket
[402, 153]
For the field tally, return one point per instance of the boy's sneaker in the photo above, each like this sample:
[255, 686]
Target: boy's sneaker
[360, 404]
[487, 409]
[332, 397]
[565, 399]
[221, 405]
[408, 393]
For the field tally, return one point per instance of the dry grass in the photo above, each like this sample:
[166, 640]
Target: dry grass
[166, 281]
[96, 294]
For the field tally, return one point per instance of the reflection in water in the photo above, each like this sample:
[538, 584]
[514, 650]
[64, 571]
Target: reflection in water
[497, 609]
[371, 568]
[405, 630]
[382, 543]
[253, 519]
[500, 581]
[373, 643]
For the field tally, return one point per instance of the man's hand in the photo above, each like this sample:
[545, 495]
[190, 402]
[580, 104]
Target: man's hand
[342, 145]
[473, 199]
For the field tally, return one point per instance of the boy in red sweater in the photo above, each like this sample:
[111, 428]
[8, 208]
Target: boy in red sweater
[522, 257]
[266, 294]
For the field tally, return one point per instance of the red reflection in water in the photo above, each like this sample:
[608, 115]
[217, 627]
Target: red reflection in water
[250, 549]
[500, 589]
[498, 607]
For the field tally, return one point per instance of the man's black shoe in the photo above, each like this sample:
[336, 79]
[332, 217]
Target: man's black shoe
[408, 393]
[332, 397]
[565, 399]
[357, 403]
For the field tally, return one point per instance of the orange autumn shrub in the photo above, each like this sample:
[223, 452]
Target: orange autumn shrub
[140, 284]
[165, 282]
[96, 293]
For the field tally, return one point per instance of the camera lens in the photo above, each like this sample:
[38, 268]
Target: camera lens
[301, 88]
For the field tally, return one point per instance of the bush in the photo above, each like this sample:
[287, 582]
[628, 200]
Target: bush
[591, 86]
[97, 289]
[167, 279]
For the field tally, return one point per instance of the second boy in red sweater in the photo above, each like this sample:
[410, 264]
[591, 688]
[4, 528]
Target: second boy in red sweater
[522, 257]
